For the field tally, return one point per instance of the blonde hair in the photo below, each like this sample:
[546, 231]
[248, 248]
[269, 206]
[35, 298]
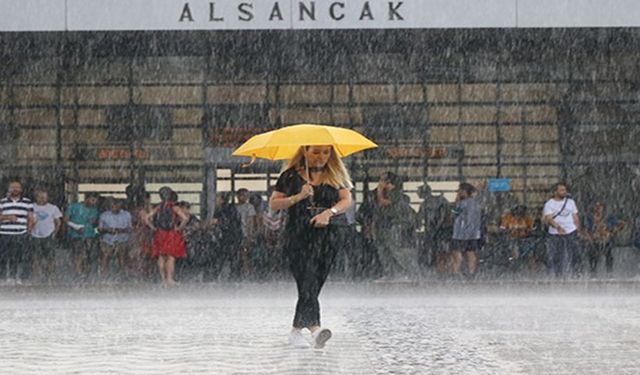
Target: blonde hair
[336, 174]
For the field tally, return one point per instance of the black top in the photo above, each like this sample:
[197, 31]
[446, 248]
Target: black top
[324, 197]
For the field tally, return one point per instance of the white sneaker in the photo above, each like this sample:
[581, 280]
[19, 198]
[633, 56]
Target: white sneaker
[18, 282]
[10, 281]
[296, 339]
[320, 337]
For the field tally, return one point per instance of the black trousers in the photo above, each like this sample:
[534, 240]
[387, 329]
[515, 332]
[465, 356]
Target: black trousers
[14, 252]
[311, 256]
[563, 254]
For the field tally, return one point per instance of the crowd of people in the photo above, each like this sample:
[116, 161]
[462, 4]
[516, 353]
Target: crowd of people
[103, 239]
[493, 230]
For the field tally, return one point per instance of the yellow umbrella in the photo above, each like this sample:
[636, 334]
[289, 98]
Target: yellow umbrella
[283, 143]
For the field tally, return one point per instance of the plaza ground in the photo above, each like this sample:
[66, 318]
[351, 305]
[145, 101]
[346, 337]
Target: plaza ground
[399, 328]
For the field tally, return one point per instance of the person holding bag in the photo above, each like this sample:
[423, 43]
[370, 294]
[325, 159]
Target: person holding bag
[560, 213]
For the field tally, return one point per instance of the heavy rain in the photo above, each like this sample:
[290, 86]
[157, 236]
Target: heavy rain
[316, 187]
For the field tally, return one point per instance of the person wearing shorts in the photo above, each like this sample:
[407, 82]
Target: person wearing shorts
[82, 219]
[115, 227]
[43, 234]
[466, 229]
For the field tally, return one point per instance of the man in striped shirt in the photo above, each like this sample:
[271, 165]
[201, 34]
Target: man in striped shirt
[16, 221]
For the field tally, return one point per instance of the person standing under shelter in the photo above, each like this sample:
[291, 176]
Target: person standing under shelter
[598, 230]
[140, 260]
[518, 227]
[167, 220]
[16, 222]
[435, 215]
[467, 229]
[227, 222]
[390, 219]
[47, 225]
[273, 226]
[560, 213]
[248, 219]
[116, 226]
[82, 218]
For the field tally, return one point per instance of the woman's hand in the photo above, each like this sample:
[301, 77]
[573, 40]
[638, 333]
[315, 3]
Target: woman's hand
[321, 220]
[306, 192]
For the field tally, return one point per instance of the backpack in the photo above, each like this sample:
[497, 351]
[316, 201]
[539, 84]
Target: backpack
[165, 218]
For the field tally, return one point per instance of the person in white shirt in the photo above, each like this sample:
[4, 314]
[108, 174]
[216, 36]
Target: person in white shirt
[560, 213]
[47, 225]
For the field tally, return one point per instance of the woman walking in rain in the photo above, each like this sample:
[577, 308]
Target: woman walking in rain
[167, 220]
[315, 189]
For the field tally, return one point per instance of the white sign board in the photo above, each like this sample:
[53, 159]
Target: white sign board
[120, 15]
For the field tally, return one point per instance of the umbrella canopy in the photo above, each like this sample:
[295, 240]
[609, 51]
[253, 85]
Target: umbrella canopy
[283, 143]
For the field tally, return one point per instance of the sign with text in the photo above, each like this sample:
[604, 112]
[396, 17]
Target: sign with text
[435, 152]
[499, 184]
[415, 152]
[125, 153]
[286, 14]
[121, 154]
[222, 158]
[117, 15]
[232, 137]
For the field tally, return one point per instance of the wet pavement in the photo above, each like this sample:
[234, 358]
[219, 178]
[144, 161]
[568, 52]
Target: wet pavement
[383, 328]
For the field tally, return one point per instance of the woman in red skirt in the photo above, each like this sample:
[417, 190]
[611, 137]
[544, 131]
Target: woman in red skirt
[167, 221]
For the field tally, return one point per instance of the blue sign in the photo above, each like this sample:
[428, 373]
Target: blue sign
[499, 184]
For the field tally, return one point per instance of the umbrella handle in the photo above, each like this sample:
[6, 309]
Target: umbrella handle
[306, 170]
[253, 160]
[306, 167]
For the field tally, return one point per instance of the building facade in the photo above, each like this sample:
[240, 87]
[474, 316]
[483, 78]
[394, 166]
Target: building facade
[445, 105]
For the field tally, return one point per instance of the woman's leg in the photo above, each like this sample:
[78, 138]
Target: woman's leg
[324, 266]
[310, 275]
[50, 265]
[301, 276]
[310, 261]
[121, 256]
[105, 258]
[79, 253]
[308, 307]
[314, 329]
[320, 267]
[456, 262]
[161, 268]
[170, 267]
[472, 262]
[37, 273]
